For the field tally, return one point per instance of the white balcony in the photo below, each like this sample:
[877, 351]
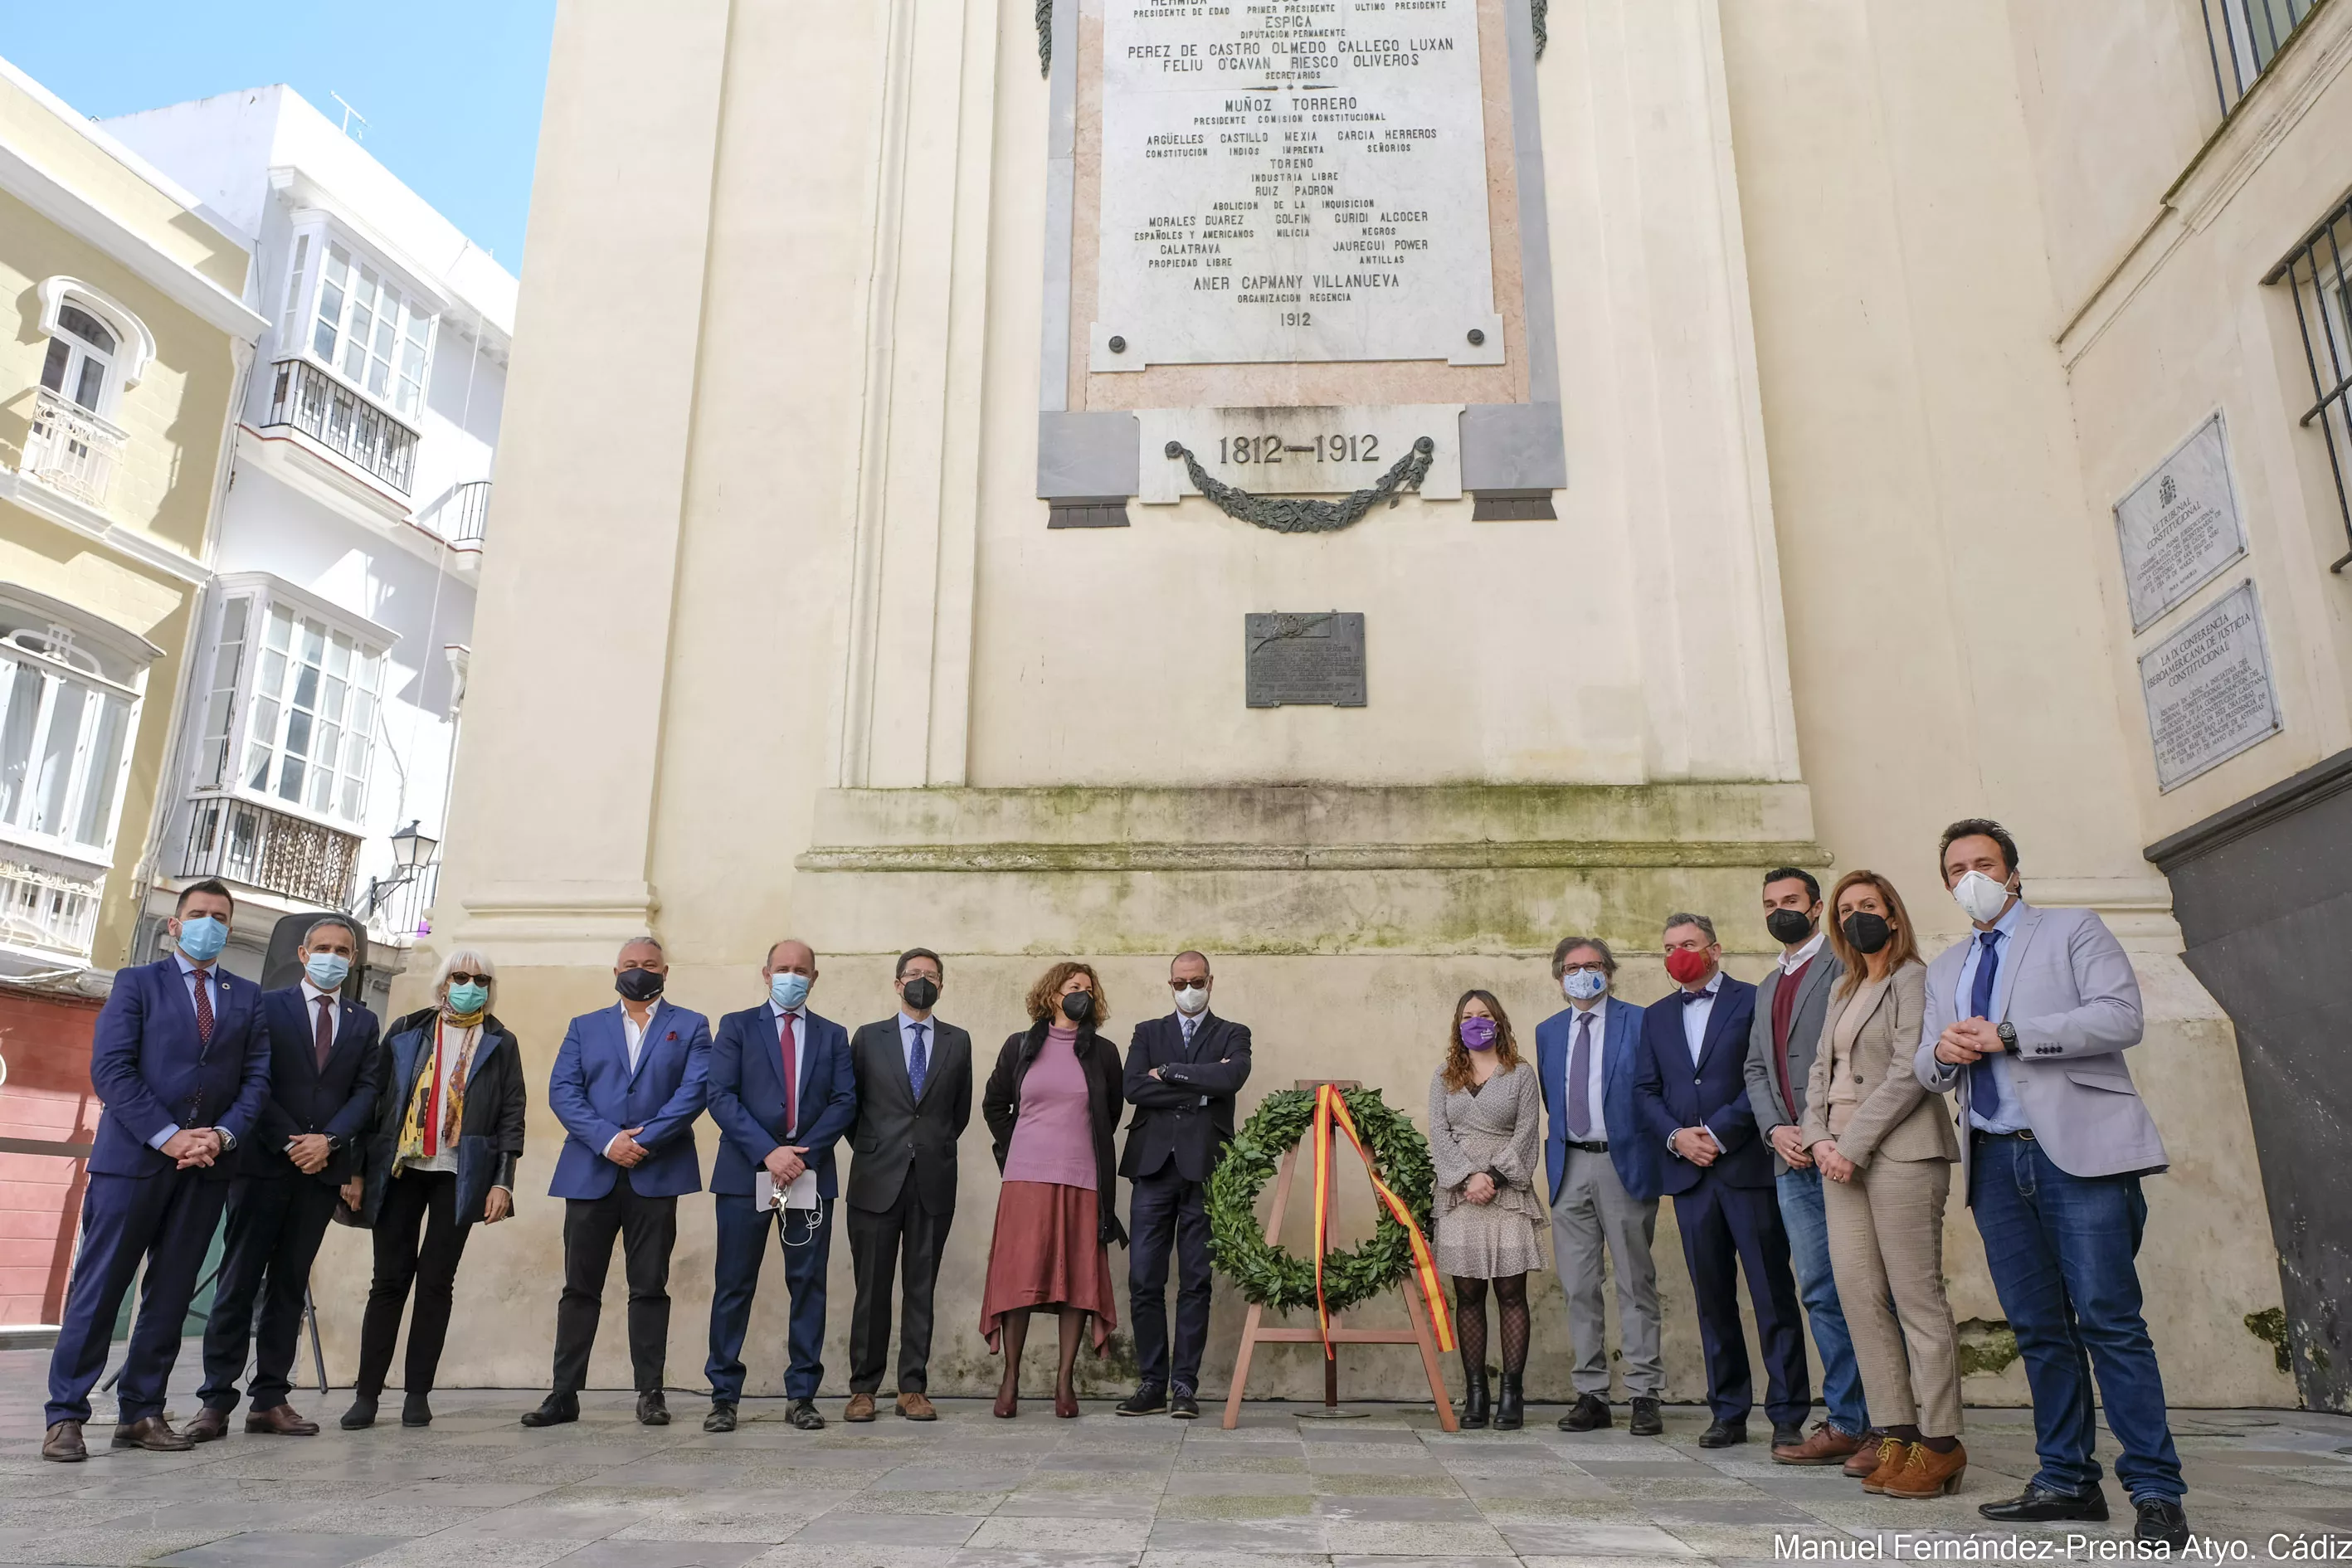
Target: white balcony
[46, 915]
[72, 451]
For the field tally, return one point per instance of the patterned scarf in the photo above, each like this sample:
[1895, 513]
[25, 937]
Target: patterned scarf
[419, 1117]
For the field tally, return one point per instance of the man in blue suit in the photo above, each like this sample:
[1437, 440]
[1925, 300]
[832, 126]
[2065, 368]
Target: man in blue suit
[325, 1069]
[1604, 1185]
[1691, 1096]
[629, 1082]
[782, 1090]
[183, 1067]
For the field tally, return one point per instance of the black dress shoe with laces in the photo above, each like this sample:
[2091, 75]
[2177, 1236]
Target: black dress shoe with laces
[1183, 1406]
[804, 1416]
[1591, 1412]
[1788, 1434]
[1145, 1400]
[1723, 1434]
[2161, 1521]
[1647, 1420]
[653, 1408]
[555, 1410]
[2039, 1504]
[721, 1417]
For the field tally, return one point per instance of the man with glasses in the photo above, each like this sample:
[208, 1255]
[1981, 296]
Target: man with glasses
[1183, 1072]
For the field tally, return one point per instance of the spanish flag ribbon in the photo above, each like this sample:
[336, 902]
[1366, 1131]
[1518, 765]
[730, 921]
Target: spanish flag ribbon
[1332, 1107]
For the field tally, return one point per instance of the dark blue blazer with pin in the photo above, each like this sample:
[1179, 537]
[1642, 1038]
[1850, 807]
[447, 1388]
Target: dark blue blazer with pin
[747, 1098]
[1669, 1093]
[337, 1099]
[151, 1071]
[1630, 1150]
[596, 1096]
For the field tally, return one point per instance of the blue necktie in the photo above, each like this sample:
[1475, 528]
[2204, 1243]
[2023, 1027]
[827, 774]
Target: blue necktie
[918, 1064]
[1984, 1090]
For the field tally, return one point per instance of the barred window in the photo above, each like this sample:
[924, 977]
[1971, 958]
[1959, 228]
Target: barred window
[2319, 279]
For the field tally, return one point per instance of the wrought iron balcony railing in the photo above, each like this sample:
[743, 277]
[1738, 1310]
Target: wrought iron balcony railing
[464, 518]
[273, 850]
[337, 417]
[70, 449]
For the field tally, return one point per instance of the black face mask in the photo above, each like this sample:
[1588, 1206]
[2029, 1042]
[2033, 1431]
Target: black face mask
[1078, 1006]
[920, 993]
[1788, 927]
[1867, 932]
[638, 984]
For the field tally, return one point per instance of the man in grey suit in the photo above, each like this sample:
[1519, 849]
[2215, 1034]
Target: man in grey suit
[2027, 1022]
[914, 1098]
[1791, 1005]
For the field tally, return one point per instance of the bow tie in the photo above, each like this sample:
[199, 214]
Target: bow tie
[1690, 996]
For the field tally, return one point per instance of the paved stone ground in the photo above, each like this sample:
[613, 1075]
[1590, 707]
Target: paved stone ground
[970, 1491]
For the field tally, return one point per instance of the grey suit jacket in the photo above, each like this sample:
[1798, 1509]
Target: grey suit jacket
[2068, 990]
[1764, 1098]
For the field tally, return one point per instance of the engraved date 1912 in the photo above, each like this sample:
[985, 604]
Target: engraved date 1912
[1320, 448]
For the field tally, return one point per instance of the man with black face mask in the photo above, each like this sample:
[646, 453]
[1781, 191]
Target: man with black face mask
[914, 1098]
[629, 1082]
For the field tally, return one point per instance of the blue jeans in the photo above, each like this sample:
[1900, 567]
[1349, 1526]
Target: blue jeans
[2062, 1251]
[1808, 1249]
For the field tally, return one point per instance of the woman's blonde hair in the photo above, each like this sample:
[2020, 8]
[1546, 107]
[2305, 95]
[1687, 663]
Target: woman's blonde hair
[1457, 1056]
[465, 961]
[1047, 993]
[1900, 948]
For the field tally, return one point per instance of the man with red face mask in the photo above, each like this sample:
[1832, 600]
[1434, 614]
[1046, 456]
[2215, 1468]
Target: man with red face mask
[1690, 1093]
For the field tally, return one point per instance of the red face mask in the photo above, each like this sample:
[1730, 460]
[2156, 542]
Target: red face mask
[1687, 965]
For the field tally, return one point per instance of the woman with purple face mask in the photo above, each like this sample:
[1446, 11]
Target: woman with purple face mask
[1485, 1134]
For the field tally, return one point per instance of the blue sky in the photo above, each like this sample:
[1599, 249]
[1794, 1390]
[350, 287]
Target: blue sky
[451, 90]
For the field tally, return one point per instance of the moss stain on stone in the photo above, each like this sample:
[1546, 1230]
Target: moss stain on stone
[2269, 1325]
[1987, 1346]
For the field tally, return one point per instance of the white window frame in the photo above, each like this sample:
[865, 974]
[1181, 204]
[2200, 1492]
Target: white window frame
[134, 348]
[232, 700]
[61, 645]
[304, 319]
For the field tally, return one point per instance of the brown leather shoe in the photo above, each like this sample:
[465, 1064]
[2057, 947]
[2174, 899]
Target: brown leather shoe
[63, 1446]
[859, 1408]
[915, 1407]
[1927, 1474]
[209, 1426]
[1825, 1445]
[278, 1421]
[1863, 1462]
[1894, 1453]
[152, 1432]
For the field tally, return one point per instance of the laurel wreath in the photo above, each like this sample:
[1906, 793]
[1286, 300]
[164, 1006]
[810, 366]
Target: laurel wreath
[1268, 1275]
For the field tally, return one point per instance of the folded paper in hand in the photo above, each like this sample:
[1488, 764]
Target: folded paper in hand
[798, 1194]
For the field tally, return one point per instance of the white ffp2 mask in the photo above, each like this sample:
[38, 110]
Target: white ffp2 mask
[1980, 897]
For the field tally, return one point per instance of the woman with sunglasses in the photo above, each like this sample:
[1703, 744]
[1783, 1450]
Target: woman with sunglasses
[441, 1158]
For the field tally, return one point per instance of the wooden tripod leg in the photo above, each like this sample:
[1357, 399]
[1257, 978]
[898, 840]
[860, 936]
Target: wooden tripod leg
[1421, 1331]
[1282, 1175]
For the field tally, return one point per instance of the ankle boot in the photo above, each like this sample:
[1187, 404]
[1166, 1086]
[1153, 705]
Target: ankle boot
[1510, 1406]
[1474, 1398]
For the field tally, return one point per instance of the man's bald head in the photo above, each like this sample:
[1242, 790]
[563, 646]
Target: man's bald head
[790, 956]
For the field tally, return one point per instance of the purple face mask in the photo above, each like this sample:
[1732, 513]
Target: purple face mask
[1478, 1034]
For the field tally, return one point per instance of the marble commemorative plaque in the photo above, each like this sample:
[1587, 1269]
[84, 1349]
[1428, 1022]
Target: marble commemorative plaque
[1293, 182]
[1298, 451]
[2208, 688]
[1304, 659]
[2180, 527]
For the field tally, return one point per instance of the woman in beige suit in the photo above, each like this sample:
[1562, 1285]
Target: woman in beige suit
[1887, 1148]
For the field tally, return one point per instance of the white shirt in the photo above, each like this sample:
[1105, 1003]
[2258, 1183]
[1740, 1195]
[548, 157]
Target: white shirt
[312, 996]
[1792, 962]
[1596, 1073]
[633, 1035]
[1695, 1015]
[907, 1027]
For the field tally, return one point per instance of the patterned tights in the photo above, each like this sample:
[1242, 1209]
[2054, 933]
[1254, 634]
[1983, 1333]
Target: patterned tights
[1470, 1321]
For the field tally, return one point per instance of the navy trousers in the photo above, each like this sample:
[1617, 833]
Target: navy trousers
[806, 1239]
[1727, 1230]
[166, 1219]
[1169, 1212]
[275, 1225]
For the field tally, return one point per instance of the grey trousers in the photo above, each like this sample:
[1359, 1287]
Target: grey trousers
[1594, 1210]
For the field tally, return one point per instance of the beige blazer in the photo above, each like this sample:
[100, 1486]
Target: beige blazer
[1871, 1036]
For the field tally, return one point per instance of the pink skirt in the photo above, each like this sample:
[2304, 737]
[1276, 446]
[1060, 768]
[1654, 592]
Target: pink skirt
[1047, 1252]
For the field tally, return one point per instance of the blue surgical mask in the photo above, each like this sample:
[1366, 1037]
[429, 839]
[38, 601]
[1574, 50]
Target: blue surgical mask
[203, 938]
[1583, 985]
[470, 998]
[789, 990]
[326, 970]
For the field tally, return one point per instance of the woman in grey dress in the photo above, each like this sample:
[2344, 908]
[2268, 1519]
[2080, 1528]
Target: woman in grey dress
[1486, 1131]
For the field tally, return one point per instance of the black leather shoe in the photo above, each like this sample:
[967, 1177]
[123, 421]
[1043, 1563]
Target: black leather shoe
[1510, 1404]
[1591, 1412]
[361, 1414]
[1788, 1434]
[555, 1410]
[1723, 1434]
[1183, 1406]
[720, 1419]
[1475, 1405]
[2161, 1521]
[417, 1410]
[1144, 1401]
[1647, 1421]
[2040, 1505]
[804, 1416]
[653, 1408]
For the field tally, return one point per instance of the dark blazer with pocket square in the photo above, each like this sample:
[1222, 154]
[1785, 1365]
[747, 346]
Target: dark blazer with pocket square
[899, 1136]
[337, 1099]
[596, 1095]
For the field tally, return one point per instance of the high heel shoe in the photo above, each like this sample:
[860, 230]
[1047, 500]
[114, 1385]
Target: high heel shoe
[1066, 1404]
[1008, 1404]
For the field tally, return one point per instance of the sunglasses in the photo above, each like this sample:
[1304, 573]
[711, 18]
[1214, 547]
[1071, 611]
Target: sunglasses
[470, 980]
[1199, 982]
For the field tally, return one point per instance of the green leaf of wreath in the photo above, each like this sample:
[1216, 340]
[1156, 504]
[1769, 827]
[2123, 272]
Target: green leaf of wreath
[1268, 1275]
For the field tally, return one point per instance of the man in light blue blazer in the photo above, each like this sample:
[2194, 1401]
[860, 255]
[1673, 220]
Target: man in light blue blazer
[628, 1083]
[2027, 1022]
[1604, 1184]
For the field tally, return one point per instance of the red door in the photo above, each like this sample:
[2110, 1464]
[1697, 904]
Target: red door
[47, 1117]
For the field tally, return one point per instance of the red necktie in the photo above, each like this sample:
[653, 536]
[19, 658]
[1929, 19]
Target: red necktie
[326, 1030]
[791, 1074]
[203, 1007]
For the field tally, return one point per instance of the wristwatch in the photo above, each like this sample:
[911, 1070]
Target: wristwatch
[2008, 1033]
[227, 1138]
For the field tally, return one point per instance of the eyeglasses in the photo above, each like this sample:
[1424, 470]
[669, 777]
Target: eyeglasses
[1199, 982]
[470, 980]
[1584, 968]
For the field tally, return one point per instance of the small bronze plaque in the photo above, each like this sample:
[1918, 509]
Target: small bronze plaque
[1305, 659]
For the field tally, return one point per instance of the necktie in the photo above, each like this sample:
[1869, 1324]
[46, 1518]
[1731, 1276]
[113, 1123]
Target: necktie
[326, 1030]
[1579, 1080]
[786, 1042]
[203, 1007]
[1190, 1024]
[1984, 1089]
[919, 1063]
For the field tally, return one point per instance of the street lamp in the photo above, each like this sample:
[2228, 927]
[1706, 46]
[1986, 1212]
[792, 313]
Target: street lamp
[411, 852]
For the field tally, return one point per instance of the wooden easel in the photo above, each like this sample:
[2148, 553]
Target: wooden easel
[1254, 1332]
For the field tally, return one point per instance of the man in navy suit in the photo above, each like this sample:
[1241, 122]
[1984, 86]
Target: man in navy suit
[629, 1082]
[325, 1068]
[1691, 1095]
[1604, 1184]
[182, 1066]
[782, 1090]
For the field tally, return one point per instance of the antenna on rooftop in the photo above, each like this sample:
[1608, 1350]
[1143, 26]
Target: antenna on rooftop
[351, 114]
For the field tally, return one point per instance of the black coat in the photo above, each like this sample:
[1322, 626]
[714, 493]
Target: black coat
[340, 1101]
[999, 1105]
[489, 1138]
[1171, 1122]
[895, 1133]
